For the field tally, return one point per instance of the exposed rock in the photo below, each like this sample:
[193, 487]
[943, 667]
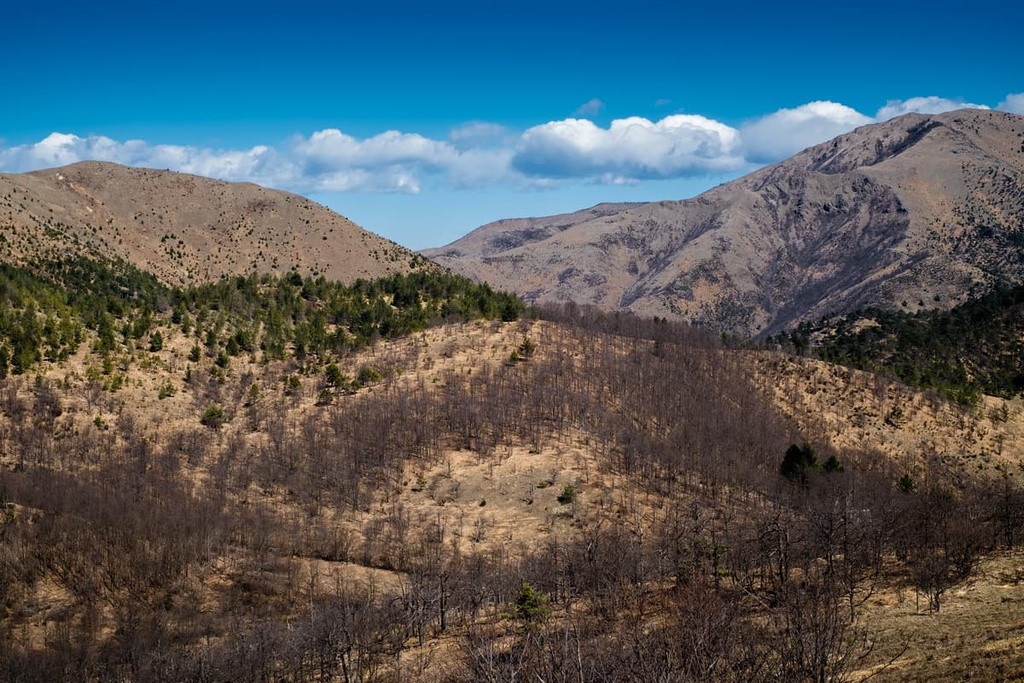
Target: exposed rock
[917, 212]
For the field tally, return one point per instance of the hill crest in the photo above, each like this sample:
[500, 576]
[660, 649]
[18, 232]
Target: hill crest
[184, 228]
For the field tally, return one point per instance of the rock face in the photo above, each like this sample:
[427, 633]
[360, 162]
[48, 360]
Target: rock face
[918, 212]
[184, 228]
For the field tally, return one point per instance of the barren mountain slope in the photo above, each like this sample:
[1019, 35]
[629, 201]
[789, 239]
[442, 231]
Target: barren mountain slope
[919, 211]
[184, 228]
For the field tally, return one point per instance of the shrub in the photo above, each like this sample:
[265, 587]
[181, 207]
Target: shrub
[368, 375]
[213, 417]
[333, 375]
[522, 352]
[799, 460]
[832, 465]
[531, 604]
[568, 494]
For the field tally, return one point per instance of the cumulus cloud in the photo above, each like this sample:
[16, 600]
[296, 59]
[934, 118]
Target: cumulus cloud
[633, 148]
[1013, 103]
[591, 107]
[787, 131]
[482, 154]
[923, 105]
[336, 162]
[59, 149]
[328, 160]
[477, 154]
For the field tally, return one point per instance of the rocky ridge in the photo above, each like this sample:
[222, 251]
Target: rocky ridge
[914, 213]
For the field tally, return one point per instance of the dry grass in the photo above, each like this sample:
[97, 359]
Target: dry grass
[184, 228]
[977, 634]
[858, 412]
[507, 502]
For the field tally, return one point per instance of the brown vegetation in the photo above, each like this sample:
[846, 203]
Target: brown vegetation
[592, 498]
[184, 229]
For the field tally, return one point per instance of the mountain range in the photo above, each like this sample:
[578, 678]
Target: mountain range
[920, 212]
[915, 213]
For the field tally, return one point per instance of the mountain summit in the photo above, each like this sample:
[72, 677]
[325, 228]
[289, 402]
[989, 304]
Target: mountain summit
[917, 212]
[183, 228]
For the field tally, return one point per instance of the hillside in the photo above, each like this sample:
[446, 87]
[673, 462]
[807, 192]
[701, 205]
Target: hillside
[975, 348]
[183, 228]
[269, 479]
[918, 212]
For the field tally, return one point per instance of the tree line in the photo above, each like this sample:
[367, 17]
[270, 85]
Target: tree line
[49, 309]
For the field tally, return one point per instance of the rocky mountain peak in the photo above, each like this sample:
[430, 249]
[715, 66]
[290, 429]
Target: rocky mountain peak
[917, 212]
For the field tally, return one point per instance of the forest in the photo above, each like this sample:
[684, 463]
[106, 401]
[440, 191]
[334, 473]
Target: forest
[269, 479]
[971, 349]
[47, 310]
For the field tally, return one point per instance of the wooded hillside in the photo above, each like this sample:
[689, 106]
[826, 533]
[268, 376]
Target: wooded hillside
[386, 482]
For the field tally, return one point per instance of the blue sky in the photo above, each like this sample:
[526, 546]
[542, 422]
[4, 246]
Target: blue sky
[424, 120]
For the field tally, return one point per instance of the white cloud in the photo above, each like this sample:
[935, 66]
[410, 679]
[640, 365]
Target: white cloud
[333, 149]
[328, 160]
[630, 149]
[591, 107]
[60, 149]
[1013, 103]
[482, 154]
[923, 105]
[787, 131]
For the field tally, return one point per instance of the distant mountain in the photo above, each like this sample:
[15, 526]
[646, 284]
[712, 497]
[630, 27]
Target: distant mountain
[915, 213]
[183, 228]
